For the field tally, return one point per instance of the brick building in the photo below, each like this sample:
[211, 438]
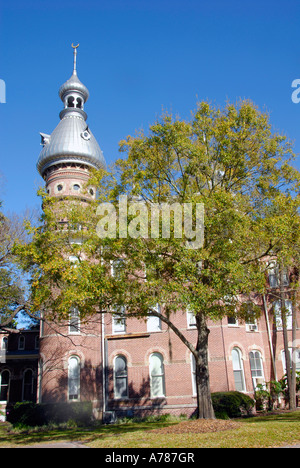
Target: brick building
[19, 356]
[139, 366]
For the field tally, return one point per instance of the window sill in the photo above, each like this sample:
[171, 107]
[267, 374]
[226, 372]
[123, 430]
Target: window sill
[122, 336]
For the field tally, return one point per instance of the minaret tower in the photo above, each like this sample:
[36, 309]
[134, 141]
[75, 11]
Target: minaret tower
[71, 150]
[70, 352]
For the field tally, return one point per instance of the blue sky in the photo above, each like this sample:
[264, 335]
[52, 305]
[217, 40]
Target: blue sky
[138, 58]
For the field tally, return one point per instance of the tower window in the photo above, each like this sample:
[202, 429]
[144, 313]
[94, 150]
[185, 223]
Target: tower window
[71, 101]
[79, 103]
[59, 188]
[76, 187]
[21, 344]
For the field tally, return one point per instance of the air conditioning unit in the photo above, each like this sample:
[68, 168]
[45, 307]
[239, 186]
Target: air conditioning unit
[252, 327]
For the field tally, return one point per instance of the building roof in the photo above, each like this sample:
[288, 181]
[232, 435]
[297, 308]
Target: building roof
[71, 140]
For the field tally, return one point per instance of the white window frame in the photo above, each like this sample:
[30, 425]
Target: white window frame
[256, 379]
[233, 325]
[274, 276]
[76, 379]
[74, 321]
[297, 357]
[119, 321]
[153, 322]
[193, 373]
[114, 267]
[289, 315]
[123, 377]
[240, 369]
[191, 319]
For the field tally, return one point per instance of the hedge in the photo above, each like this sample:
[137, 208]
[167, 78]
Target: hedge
[232, 404]
[34, 414]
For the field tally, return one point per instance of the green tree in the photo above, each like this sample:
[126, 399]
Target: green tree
[12, 287]
[227, 160]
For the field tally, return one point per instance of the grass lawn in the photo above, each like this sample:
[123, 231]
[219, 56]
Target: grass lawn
[262, 431]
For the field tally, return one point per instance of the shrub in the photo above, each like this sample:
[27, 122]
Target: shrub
[232, 404]
[34, 414]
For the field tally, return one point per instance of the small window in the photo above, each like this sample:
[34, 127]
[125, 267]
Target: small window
[154, 323]
[59, 188]
[293, 356]
[117, 266]
[121, 377]
[76, 187]
[71, 101]
[232, 321]
[274, 275]
[288, 316]
[251, 322]
[4, 385]
[74, 323]
[119, 321]
[78, 103]
[21, 344]
[191, 319]
[74, 378]
[157, 375]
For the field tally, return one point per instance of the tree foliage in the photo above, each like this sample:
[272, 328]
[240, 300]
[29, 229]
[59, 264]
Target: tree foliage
[227, 159]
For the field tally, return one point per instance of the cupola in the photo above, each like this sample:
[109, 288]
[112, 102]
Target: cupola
[72, 140]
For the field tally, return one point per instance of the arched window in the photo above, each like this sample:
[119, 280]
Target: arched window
[21, 344]
[256, 366]
[71, 101]
[238, 370]
[4, 385]
[79, 103]
[27, 385]
[74, 378]
[4, 343]
[121, 377]
[157, 376]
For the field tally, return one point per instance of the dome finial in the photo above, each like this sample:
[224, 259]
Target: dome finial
[75, 54]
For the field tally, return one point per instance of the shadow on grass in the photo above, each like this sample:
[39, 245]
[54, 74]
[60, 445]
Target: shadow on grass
[10, 437]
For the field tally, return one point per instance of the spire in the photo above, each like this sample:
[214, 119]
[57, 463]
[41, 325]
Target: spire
[73, 87]
[75, 57]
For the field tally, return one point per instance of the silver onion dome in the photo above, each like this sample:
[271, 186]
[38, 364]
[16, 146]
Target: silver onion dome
[73, 84]
[72, 140]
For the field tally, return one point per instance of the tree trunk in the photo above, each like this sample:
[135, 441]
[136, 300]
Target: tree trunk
[293, 402]
[204, 402]
[291, 394]
[200, 352]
